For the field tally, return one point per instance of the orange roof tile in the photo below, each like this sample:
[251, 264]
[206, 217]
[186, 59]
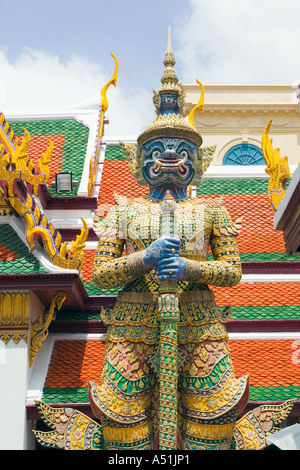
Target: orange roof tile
[117, 178]
[258, 294]
[74, 363]
[87, 269]
[38, 145]
[6, 254]
[269, 362]
[257, 234]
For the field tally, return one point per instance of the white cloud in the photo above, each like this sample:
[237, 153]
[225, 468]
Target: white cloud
[2, 92]
[37, 79]
[129, 112]
[240, 42]
[222, 41]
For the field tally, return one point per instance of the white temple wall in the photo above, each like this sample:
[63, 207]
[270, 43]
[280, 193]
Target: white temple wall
[13, 373]
[239, 114]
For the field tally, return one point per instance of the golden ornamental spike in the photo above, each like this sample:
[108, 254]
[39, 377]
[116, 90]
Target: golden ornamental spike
[39, 329]
[6, 135]
[45, 160]
[198, 107]
[277, 168]
[169, 44]
[169, 78]
[77, 247]
[112, 81]
[104, 107]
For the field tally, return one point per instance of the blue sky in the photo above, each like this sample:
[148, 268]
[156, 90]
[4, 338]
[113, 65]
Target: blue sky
[57, 53]
[135, 30]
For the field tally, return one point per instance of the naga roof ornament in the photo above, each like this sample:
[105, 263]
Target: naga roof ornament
[17, 174]
[277, 167]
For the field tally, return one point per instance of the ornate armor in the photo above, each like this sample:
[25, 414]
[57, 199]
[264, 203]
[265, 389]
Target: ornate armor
[209, 392]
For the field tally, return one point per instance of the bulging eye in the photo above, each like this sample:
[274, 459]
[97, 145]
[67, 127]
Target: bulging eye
[156, 154]
[184, 154]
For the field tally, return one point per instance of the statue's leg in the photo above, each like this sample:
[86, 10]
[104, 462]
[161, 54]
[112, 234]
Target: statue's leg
[122, 401]
[210, 396]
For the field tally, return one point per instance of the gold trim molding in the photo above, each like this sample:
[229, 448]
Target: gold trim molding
[15, 164]
[14, 316]
[39, 328]
[4, 209]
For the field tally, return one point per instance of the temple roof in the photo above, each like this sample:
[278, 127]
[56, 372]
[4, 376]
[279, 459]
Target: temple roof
[15, 257]
[70, 139]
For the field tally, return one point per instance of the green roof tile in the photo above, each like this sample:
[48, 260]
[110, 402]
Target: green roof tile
[65, 395]
[25, 262]
[77, 315]
[269, 257]
[234, 186]
[94, 290]
[238, 313]
[271, 393]
[74, 151]
[114, 152]
[260, 257]
[266, 313]
[80, 395]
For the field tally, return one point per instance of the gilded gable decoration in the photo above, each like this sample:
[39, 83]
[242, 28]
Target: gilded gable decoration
[14, 316]
[18, 175]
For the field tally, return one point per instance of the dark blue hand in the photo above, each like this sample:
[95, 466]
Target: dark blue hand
[163, 248]
[171, 268]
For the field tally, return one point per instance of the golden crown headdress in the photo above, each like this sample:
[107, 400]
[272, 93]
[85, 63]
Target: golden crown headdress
[172, 124]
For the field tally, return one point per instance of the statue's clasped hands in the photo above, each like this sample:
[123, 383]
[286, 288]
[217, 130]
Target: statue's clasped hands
[164, 255]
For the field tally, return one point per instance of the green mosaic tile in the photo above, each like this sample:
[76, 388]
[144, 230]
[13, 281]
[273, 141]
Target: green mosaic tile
[114, 152]
[234, 186]
[94, 290]
[76, 139]
[65, 395]
[266, 313]
[80, 395]
[269, 257]
[25, 262]
[261, 257]
[272, 393]
[71, 315]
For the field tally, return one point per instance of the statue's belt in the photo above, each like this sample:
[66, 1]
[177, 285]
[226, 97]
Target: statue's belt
[152, 297]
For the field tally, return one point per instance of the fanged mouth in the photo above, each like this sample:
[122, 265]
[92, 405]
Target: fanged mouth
[174, 167]
[170, 162]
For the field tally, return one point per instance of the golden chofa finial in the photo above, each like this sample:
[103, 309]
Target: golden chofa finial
[199, 106]
[112, 81]
[277, 167]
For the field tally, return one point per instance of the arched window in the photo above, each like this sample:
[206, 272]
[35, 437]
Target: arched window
[244, 154]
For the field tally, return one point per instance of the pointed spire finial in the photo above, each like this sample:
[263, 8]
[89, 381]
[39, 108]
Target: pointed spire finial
[169, 44]
[169, 102]
[169, 75]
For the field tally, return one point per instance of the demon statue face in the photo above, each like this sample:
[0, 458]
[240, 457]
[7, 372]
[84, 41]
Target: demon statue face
[169, 161]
